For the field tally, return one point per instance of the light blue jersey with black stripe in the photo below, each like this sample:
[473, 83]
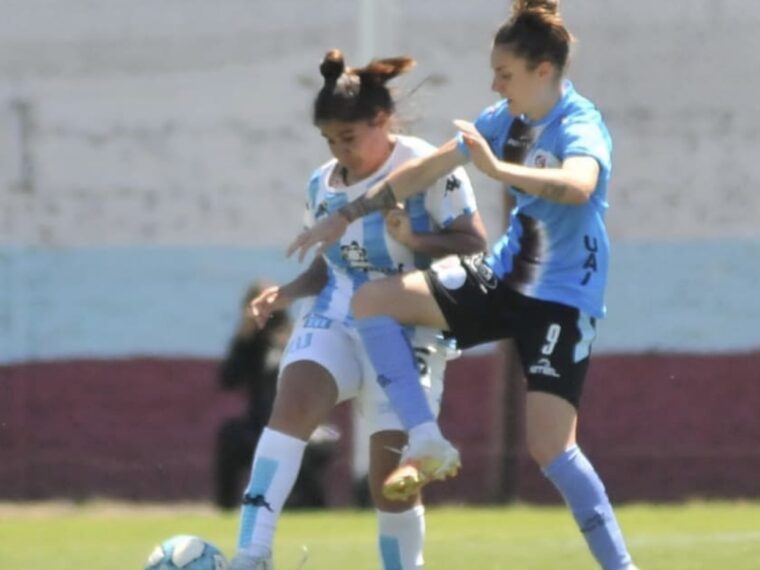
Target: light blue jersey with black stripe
[366, 251]
[552, 251]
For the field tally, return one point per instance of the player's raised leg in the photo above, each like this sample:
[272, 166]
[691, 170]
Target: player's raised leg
[382, 308]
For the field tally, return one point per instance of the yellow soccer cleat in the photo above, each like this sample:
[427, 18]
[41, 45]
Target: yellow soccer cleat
[421, 462]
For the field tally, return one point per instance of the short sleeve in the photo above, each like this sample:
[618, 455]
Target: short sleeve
[586, 138]
[450, 198]
[487, 124]
[309, 215]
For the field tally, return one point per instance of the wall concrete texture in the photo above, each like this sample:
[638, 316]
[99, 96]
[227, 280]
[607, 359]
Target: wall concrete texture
[178, 124]
[155, 158]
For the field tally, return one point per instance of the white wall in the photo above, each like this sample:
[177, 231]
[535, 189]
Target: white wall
[188, 121]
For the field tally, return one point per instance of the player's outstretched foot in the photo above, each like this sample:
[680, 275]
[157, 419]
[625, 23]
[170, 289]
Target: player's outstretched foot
[422, 461]
[245, 561]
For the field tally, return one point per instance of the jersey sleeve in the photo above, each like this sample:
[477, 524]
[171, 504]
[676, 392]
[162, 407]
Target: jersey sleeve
[309, 215]
[487, 124]
[586, 137]
[450, 198]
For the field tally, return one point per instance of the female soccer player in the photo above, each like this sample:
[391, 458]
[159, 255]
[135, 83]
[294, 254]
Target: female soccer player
[325, 362]
[542, 285]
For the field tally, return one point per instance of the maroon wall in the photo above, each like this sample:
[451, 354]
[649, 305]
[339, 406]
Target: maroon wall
[658, 427]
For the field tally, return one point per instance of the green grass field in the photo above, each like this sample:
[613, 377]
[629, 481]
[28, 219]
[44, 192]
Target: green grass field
[119, 537]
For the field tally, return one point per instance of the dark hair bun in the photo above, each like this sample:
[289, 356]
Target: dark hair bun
[333, 65]
[547, 6]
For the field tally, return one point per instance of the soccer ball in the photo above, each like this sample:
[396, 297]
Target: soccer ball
[187, 553]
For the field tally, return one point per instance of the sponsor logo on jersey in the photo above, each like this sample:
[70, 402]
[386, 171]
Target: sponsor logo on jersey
[316, 322]
[590, 265]
[355, 256]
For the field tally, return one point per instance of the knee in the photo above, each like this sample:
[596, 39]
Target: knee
[544, 450]
[298, 412]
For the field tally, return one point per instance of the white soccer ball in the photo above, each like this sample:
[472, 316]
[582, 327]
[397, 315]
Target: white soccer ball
[186, 552]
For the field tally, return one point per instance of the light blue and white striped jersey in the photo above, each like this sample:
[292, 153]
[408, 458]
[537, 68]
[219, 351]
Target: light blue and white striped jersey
[552, 251]
[366, 251]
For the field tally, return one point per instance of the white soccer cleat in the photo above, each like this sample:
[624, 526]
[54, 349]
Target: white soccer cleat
[244, 561]
[422, 461]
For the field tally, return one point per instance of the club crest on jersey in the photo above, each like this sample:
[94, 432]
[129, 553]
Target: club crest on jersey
[543, 159]
[355, 256]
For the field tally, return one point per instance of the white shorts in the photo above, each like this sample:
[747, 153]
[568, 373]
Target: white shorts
[338, 348]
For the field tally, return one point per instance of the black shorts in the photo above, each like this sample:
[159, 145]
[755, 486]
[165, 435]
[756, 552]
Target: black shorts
[553, 339]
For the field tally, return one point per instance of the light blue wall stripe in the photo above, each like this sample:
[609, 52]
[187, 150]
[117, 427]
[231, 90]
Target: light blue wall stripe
[685, 296]
[126, 301]
[184, 301]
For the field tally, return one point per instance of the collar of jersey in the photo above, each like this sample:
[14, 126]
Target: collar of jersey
[362, 184]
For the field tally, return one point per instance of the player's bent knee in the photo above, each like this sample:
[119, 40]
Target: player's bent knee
[544, 451]
[301, 405]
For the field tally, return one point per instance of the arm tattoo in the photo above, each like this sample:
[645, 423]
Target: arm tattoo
[553, 191]
[364, 204]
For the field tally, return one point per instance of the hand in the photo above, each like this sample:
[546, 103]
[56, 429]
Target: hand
[323, 234]
[400, 227]
[480, 151]
[261, 308]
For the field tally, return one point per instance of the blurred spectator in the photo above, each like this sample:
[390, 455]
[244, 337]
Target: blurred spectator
[252, 365]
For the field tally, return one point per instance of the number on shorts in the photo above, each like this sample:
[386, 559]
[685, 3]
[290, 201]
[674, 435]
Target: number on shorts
[300, 342]
[552, 336]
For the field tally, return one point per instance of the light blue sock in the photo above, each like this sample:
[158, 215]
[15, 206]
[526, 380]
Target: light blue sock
[393, 357]
[584, 493]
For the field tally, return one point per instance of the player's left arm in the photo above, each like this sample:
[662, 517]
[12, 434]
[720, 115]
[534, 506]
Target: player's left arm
[572, 183]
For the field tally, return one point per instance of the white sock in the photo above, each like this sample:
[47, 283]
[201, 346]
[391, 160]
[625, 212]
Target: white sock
[401, 537]
[427, 430]
[275, 468]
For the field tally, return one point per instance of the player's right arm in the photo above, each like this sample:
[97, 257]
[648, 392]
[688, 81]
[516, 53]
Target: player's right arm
[410, 178]
[279, 297]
